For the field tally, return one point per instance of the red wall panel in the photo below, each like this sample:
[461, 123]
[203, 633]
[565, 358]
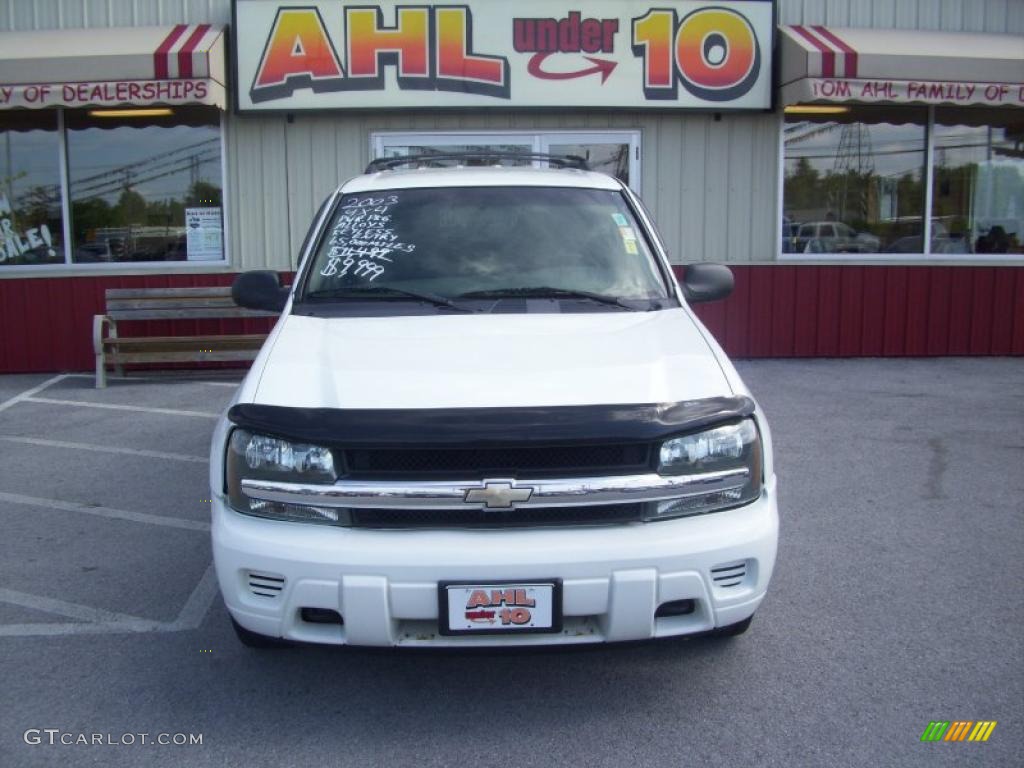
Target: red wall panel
[737, 320]
[775, 311]
[47, 322]
[828, 305]
[1005, 295]
[961, 290]
[981, 312]
[870, 311]
[783, 312]
[872, 314]
[805, 326]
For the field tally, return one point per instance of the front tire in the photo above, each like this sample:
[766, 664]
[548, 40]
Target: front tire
[251, 639]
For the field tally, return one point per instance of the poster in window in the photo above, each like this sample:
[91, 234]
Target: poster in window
[204, 234]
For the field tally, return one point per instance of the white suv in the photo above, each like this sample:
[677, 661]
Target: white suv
[487, 416]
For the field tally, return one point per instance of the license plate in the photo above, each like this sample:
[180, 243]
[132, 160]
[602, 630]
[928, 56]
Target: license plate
[499, 608]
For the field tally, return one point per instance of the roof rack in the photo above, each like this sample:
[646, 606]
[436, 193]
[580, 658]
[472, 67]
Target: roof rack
[419, 161]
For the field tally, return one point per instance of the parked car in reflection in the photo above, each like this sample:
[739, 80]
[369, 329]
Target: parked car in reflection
[789, 232]
[833, 237]
[997, 236]
[89, 253]
[940, 244]
[943, 241]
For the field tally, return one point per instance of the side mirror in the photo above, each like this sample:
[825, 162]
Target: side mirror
[259, 289]
[707, 282]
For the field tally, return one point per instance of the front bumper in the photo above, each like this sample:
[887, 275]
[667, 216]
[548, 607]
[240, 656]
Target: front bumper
[384, 582]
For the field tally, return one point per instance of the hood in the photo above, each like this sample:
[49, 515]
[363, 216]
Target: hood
[481, 361]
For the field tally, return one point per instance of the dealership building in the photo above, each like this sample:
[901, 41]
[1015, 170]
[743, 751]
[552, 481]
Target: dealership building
[859, 165]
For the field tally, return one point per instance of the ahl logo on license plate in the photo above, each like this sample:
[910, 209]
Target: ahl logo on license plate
[500, 608]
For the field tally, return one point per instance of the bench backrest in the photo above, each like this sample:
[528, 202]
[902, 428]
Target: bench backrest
[175, 304]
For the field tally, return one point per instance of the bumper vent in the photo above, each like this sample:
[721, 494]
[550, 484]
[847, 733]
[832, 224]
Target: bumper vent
[265, 584]
[602, 514]
[729, 575]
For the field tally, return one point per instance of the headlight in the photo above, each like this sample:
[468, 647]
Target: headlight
[734, 450]
[260, 457]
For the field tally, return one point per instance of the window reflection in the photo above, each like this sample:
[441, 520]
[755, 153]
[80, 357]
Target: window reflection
[854, 181]
[612, 159]
[410, 150]
[134, 179]
[978, 193]
[31, 228]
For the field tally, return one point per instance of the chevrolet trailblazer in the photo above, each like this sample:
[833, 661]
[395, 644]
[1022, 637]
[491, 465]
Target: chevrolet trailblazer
[488, 415]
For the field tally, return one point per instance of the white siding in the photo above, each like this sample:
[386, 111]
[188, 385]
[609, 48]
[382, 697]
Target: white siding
[71, 14]
[999, 16]
[257, 194]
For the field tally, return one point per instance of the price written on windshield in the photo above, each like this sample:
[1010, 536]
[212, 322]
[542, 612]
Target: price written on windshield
[363, 241]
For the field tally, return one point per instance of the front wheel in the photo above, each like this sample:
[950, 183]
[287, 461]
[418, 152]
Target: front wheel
[252, 639]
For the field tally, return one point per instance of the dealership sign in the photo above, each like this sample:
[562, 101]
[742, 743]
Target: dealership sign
[906, 92]
[106, 67]
[332, 54]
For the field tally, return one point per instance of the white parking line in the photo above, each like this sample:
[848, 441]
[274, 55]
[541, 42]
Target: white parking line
[71, 610]
[104, 449]
[168, 379]
[29, 392]
[49, 630]
[198, 602]
[99, 621]
[118, 407]
[101, 511]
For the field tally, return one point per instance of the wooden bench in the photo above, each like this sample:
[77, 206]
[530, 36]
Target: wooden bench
[124, 304]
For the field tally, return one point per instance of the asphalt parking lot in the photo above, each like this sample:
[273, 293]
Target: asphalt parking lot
[897, 600]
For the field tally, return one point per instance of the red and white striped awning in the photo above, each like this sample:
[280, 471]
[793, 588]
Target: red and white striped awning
[894, 66]
[117, 66]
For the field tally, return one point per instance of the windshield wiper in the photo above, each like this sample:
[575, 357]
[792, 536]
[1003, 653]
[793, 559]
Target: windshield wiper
[386, 291]
[547, 292]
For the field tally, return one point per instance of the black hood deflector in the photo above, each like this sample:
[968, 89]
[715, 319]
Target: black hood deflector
[479, 427]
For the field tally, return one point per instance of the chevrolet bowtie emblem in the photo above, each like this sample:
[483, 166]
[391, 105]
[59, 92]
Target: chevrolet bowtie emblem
[498, 494]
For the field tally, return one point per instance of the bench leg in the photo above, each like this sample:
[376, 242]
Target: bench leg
[101, 372]
[118, 367]
[98, 321]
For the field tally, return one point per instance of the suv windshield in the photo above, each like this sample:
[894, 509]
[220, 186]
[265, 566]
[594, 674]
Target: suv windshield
[438, 244]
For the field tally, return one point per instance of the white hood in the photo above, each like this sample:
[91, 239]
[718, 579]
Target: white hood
[474, 360]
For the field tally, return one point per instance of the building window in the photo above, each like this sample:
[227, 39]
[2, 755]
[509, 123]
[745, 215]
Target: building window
[978, 186]
[858, 180]
[854, 180]
[31, 223]
[616, 153]
[133, 175]
[142, 186]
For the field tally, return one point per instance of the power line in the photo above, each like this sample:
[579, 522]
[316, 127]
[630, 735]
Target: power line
[120, 170]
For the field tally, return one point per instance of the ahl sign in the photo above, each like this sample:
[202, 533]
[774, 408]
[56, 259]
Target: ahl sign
[333, 54]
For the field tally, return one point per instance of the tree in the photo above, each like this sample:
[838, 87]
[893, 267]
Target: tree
[90, 214]
[130, 208]
[202, 194]
[803, 187]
